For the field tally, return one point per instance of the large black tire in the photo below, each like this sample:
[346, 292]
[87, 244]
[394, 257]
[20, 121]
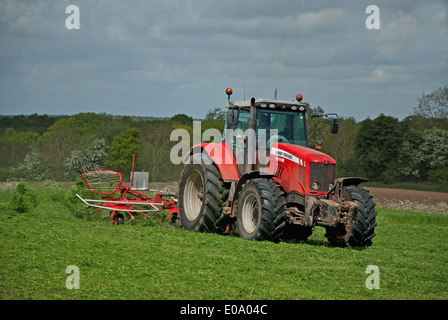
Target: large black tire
[364, 229]
[361, 232]
[261, 210]
[202, 194]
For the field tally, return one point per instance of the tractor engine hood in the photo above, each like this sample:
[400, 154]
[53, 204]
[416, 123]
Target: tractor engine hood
[300, 155]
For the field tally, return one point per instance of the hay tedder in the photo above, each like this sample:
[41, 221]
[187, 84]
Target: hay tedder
[117, 198]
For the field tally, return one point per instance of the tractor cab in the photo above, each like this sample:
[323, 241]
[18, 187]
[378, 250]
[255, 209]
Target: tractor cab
[272, 120]
[275, 120]
[257, 128]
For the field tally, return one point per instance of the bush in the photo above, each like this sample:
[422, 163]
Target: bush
[75, 205]
[23, 199]
[438, 176]
[12, 174]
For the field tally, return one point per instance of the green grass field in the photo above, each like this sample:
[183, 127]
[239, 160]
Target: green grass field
[150, 260]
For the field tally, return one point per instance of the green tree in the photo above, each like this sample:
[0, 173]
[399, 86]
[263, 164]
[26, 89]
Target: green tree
[15, 145]
[183, 119]
[123, 147]
[216, 114]
[428, 159]
[64, 136]
[34, 122]
[316, 127]
[33, 168]
[89, 158]
[341, 146]
[154, 155]
[110, 126]
[377, 148]
[407, 166]
[214, 119]
[434, 104]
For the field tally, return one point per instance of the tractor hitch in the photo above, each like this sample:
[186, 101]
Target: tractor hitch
[336, 211]
[324, 212]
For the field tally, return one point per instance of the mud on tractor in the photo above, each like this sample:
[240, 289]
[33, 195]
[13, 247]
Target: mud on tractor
[264, 181]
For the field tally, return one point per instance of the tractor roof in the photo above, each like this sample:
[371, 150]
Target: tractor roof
[266, 102]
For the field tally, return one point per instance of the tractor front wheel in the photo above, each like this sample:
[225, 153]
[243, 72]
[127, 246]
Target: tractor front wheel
[361, 232]
[260, 212]
[364, 229]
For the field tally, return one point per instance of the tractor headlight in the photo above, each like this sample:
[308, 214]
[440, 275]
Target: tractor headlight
[272, 105]
[315, 185]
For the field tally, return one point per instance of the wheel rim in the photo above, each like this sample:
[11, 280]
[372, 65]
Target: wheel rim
[193, 195]
[250, 213]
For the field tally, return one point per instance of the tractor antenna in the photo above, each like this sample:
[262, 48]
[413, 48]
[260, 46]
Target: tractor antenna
[278, 64]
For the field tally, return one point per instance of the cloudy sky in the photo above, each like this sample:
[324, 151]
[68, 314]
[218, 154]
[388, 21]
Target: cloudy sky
[164, 57]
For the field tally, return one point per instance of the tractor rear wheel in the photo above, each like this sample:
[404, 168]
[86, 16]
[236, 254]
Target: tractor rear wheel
[202, 193]
[260, 212]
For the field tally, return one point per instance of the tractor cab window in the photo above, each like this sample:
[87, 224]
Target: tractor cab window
[242, 120]
[238, 136]
[287, 127]
[299, 129]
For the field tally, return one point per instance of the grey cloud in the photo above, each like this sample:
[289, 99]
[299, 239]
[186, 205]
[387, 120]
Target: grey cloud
[177, 56]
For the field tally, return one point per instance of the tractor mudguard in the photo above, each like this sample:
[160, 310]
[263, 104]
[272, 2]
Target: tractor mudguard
[348, 181]
[342, 182]
[222, 156]
[247, 176]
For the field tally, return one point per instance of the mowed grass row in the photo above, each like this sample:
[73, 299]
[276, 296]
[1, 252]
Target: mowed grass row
[150, 260]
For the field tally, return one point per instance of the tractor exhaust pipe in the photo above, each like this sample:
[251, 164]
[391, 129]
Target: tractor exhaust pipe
[251, 141]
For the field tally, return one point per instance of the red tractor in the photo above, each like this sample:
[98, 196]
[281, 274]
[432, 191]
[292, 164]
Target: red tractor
[265, 182]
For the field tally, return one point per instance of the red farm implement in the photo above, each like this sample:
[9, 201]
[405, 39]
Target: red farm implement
[117, 198]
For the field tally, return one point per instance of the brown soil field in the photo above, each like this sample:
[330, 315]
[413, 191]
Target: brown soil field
[384, 194]
[416, 200]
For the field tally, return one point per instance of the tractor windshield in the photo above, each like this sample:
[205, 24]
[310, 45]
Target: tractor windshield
[290, 126]
[272, 126]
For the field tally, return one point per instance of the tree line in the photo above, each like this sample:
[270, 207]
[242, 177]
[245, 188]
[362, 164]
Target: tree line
[384, 149]
[388, 150]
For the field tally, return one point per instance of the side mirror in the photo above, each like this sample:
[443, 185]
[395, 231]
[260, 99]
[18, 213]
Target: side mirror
[232, 117]
[334, 125]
